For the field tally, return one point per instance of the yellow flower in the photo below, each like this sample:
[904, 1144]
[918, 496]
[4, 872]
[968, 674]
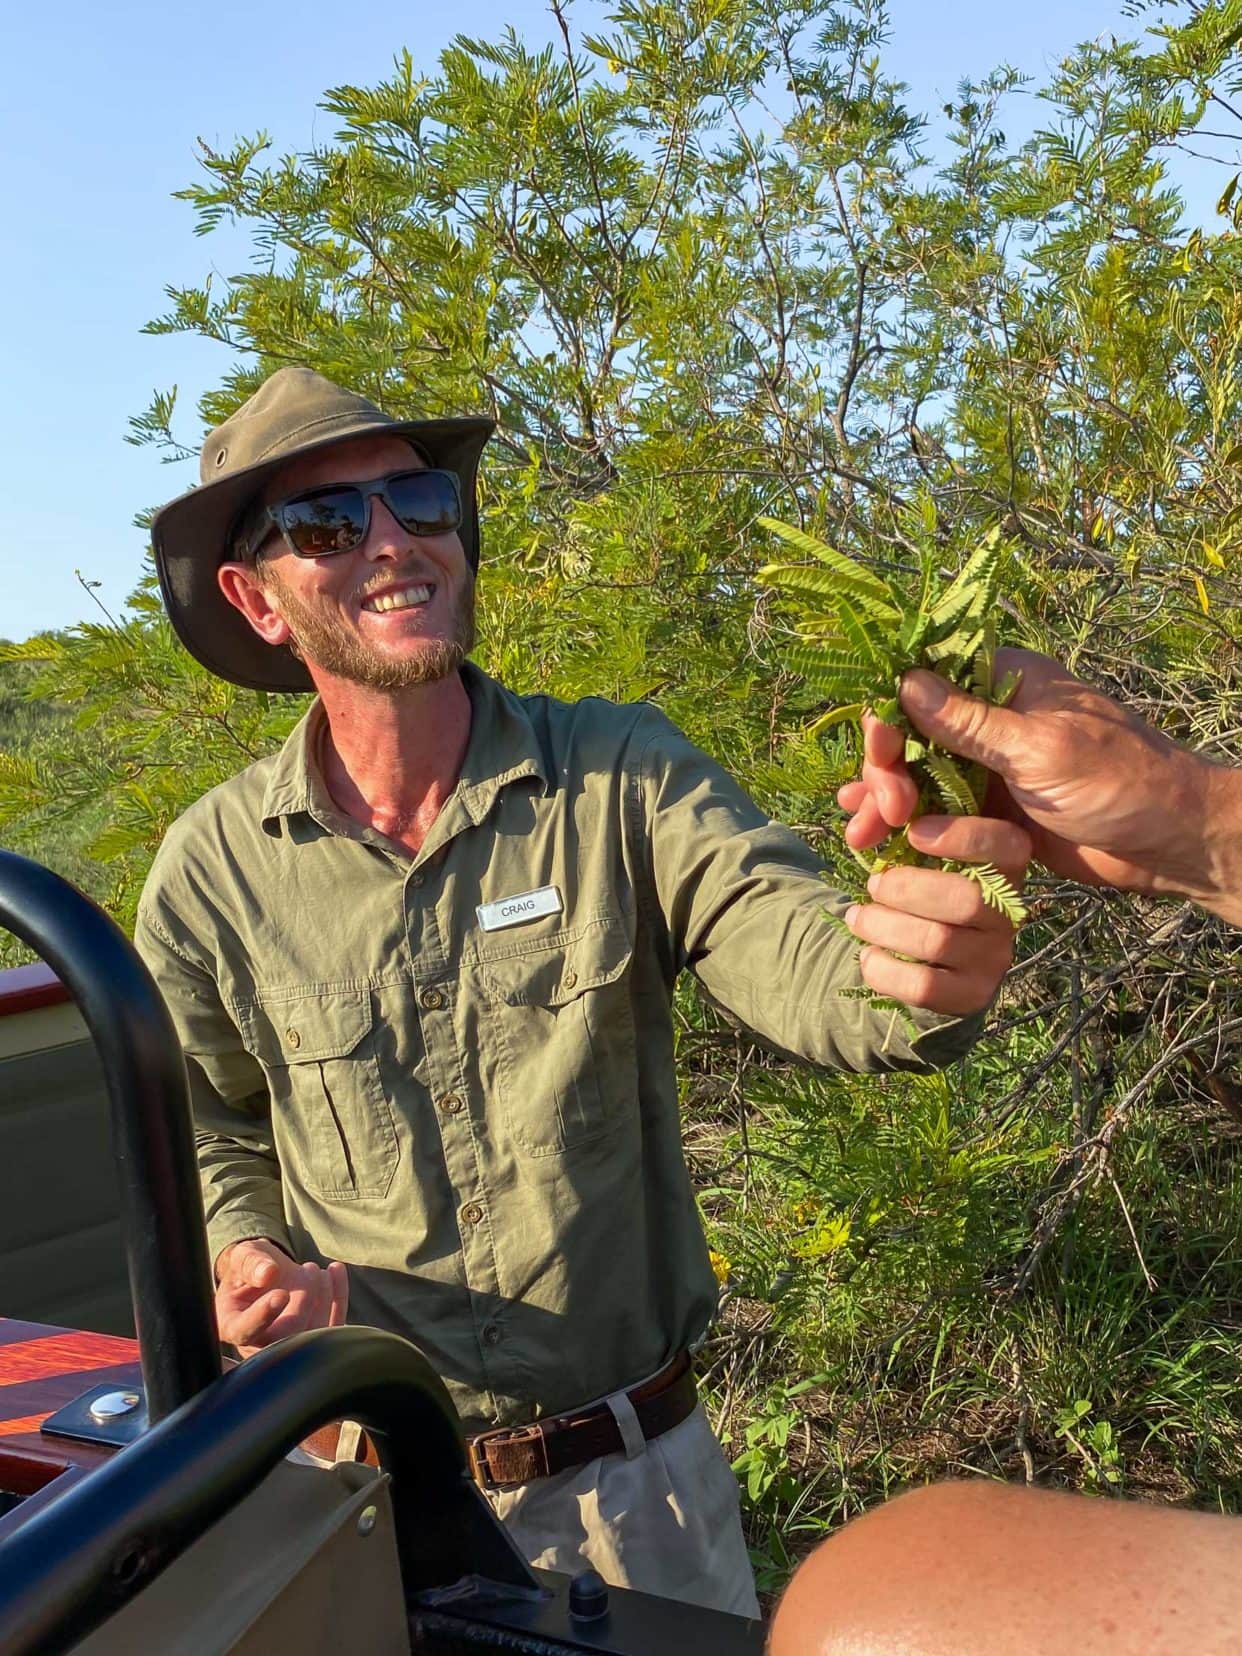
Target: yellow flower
[833, 1233]
[720, 1265]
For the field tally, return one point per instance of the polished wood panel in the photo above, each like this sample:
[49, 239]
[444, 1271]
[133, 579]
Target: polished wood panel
[42, 1369]
[58, 1351]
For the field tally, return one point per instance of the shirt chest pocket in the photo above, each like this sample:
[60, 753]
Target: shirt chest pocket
[331, 1116]
[563, 1021]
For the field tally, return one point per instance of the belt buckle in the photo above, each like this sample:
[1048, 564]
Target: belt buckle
[476, 1456]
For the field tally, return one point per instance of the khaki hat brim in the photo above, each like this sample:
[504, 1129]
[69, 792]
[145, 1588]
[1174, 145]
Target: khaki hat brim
[190, 540]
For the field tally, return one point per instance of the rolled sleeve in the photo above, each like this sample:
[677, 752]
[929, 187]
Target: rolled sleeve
[742, 900]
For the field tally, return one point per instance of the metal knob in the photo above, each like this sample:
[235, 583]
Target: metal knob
[588, 1596]
[112, 1405]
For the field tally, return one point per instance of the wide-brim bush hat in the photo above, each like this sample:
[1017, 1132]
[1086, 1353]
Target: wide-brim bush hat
[294, 412]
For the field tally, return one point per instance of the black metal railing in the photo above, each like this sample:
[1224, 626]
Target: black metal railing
[166, 1248]
[81, 1557]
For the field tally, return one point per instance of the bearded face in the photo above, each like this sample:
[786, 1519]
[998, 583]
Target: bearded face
[393, 612]
[323, 638]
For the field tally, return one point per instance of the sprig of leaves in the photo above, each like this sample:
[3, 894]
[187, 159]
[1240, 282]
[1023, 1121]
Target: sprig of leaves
[856, 634]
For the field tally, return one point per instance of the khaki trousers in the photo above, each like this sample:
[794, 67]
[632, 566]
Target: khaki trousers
[663, 1517]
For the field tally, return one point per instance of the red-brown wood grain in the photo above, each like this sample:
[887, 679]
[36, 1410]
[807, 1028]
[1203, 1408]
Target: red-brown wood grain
[41, 1369]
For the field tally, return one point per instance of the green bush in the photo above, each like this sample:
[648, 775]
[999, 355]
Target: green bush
[709, 269]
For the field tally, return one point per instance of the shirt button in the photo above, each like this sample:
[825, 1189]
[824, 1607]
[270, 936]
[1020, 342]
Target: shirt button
[491, 1335]
[452, 1104]
[571, 978]
[417, 879]
[431, 1000]
[293, 1038]
[471, 1213]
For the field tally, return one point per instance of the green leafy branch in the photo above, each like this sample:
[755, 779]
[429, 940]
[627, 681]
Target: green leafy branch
[856, 634]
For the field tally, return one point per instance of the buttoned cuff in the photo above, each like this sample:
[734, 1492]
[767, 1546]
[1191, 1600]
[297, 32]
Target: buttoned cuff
[944, 1039]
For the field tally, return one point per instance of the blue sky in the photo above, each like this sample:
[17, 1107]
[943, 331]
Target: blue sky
[98, 128]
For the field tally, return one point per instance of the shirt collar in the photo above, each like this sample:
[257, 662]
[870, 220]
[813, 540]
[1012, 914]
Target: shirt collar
[295, 783]
[503, 747]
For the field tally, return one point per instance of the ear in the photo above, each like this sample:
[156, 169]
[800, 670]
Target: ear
[245, 591]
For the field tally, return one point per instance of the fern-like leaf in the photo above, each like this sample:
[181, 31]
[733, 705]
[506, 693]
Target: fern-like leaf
[957, 650]
[974, 589]
[827, 658]
[983, 667]
[1007, 689]
[850, 575]
[118, 839]
[914, 629]
[899, 1012]
[862, 633]
[954, 789]
[26, 784]
[807, 581]
[997, 891]
[823, 672]
[42, 647]
[837, 922]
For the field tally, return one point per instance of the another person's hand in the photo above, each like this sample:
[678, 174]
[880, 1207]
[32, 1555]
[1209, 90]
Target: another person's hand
[1105, 798]
[959, 949]
[264, 1296]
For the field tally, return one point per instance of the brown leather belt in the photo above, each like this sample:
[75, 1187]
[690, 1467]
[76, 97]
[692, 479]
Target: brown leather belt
[516, 1455]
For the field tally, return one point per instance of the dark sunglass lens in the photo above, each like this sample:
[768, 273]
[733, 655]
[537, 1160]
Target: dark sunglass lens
[333, 520]
[426, 502]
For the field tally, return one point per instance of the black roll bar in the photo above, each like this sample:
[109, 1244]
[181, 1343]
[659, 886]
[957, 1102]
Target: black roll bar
[166, 1250]
[75, 1562]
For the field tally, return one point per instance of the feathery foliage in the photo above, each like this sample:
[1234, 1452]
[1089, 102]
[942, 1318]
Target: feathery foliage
[857, 634]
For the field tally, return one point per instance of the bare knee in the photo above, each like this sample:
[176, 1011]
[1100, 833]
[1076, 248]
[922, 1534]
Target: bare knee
[975, 1568]
[857, 1588]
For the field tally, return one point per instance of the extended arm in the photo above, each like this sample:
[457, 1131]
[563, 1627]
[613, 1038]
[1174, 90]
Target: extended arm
[741, 901]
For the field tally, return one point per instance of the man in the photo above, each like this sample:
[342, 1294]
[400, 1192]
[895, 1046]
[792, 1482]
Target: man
[421, 964]
[981, 1569]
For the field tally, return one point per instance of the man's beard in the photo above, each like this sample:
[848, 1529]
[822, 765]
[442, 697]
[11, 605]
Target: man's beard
[324, 642]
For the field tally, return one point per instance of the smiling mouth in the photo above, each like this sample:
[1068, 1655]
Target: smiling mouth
[407, 598]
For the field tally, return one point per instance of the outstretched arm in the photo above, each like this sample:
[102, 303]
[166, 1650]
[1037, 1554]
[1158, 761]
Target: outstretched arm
[741, 901]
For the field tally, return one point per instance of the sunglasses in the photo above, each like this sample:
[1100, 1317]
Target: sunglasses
[321, 522]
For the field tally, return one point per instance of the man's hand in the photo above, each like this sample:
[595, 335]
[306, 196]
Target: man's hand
[264, 1296]
[1105, 798]
[959, 948]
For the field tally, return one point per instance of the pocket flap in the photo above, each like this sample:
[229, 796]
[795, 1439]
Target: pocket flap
[305, 1027]
[564, 968]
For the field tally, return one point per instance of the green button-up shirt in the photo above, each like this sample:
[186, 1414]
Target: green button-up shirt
[479, 1113]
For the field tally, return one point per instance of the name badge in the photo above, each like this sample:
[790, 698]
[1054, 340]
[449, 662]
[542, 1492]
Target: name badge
[527, 905]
